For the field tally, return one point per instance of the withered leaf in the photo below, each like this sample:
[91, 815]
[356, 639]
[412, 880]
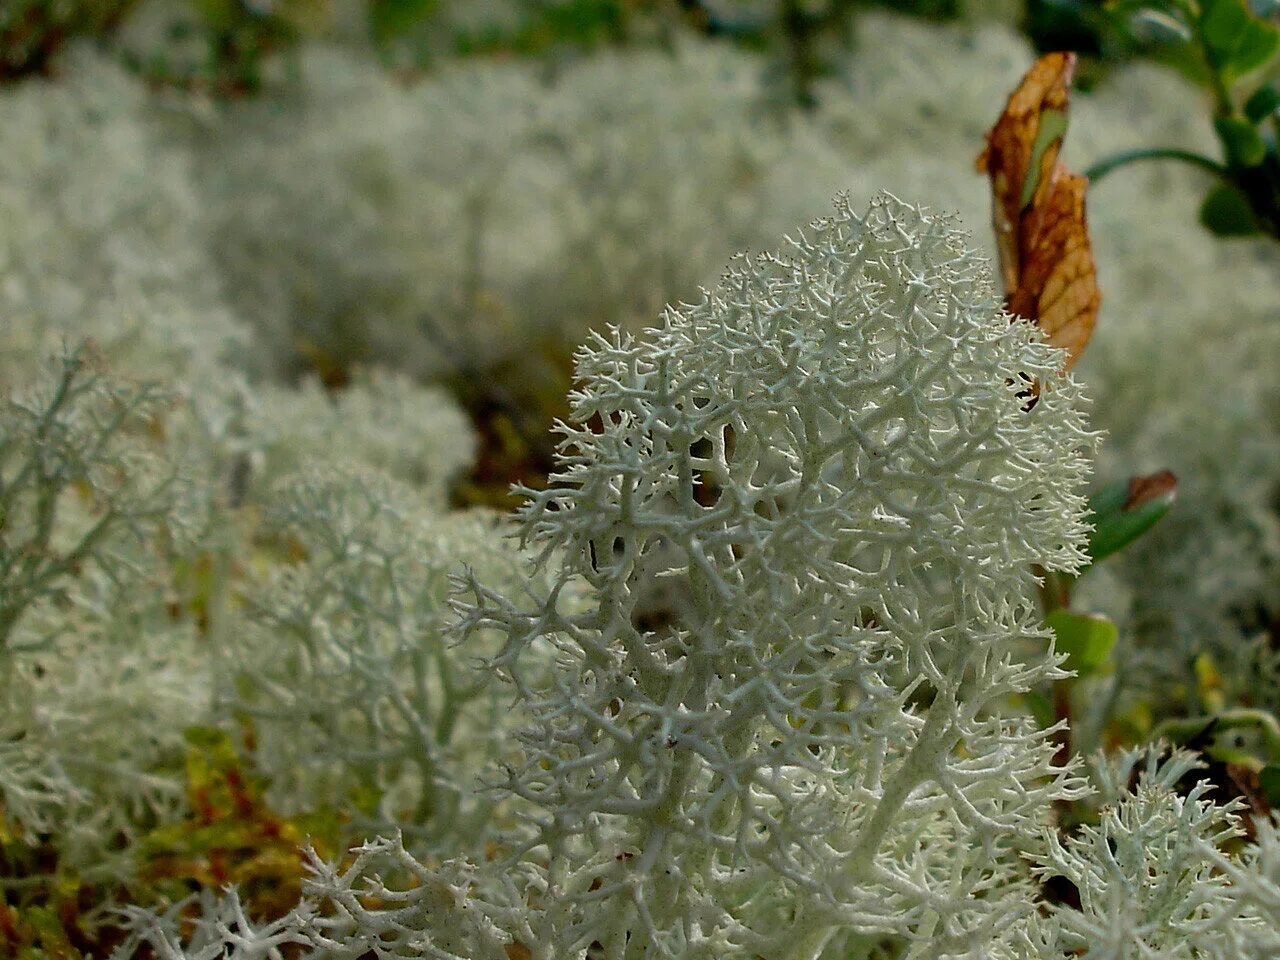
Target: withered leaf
[1144, 489]
[1038, 210]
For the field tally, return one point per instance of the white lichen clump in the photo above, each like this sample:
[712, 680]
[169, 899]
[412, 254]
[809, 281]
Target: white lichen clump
[142, 594]
[346, 667]
[382, 421]
[95, 678]
[1146, 875]
[833, 462]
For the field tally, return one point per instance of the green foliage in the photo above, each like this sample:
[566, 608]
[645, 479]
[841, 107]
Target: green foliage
[1086, 639]
[1223, 43]
[1241, 141]
[1263, 104]
[1226, 212]
[1123, 511]
[1235, 41]
[1120, 514]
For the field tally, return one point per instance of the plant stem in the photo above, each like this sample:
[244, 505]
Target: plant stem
[1100, 169]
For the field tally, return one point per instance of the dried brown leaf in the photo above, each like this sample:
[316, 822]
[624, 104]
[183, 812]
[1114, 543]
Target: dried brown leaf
[1038, 210]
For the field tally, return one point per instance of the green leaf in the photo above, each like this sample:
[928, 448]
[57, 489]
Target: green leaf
[1124, 511]
[1051, 127]
[1235, 41]
[1226, 212]
[1262, 103]
[389, 19]
[1227, 753]
[1269, 781]
[1086, 639]
[1241, 141]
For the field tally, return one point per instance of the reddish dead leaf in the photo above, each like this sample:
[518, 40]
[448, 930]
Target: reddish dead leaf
[1145, 488]
[1038, 210]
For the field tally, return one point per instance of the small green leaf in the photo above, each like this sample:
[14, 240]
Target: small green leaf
[1051, 127]
[1269, 781]
[1226, 753]
[1124, 511]
[1086, 639]
[1226, 212]
[1240, 138]
[1235, 41]
[1262, 103]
